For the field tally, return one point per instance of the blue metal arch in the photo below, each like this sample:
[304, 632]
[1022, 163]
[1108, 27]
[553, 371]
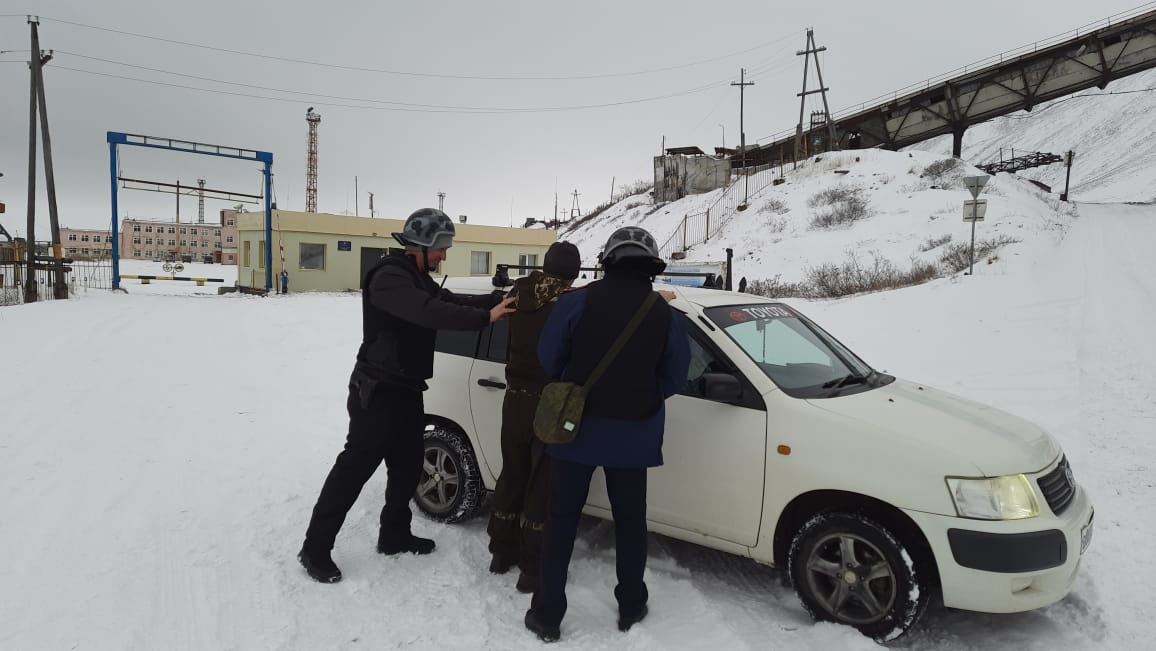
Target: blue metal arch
[115, 139]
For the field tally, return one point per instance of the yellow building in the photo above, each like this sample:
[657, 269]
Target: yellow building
[329, 253]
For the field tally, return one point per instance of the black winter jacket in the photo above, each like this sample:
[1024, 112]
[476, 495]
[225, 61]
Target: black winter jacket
[402, 309]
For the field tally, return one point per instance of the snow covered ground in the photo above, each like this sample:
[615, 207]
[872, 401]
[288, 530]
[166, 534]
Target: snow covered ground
[1114, 159]
[905, 205]
[155, 491]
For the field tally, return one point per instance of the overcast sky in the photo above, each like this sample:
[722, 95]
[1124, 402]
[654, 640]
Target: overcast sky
[497, 166]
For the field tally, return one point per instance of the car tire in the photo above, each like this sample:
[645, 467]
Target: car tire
[450, 488]
[850, 569]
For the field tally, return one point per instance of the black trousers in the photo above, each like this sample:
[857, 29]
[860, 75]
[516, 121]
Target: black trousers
[389, 427]
[569, 486]
[519, 508]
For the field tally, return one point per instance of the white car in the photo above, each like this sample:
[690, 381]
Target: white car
[872, 492]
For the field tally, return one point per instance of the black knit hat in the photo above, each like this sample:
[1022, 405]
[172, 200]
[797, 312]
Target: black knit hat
[562, 260]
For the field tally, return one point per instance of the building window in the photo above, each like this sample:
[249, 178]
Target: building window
[312, 256]
[527, 260]
[479, 262]
[136, 240]
[192, 231]
[148, 253]
[172, 230]
[95, 238]
[184, 242]
[148, 240]
[136, 228]
[229, 239]
[219, 244]
[136, 253]
[184, 231]
[73, 250]
[261, 254]
[84, 251]
[72, 237]
[247, 243]
[172, 242]
[204, 244]
[148, 229]
[84, 238]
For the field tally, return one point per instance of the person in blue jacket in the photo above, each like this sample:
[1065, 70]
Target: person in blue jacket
[622, 424]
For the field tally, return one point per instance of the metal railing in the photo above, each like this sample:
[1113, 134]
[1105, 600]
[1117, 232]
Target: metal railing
[81, 276]
[697, 228]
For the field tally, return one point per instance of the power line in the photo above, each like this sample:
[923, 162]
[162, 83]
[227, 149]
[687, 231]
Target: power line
[478, 110]
[424, 74]
[765, 66]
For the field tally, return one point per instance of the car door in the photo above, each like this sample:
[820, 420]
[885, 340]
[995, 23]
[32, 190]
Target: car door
[714, 456]
[487, 390]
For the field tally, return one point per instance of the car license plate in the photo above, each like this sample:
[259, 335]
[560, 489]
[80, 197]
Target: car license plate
[1086, 535]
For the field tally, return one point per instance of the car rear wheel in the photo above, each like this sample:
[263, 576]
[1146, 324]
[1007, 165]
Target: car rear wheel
[849, 569]
[450, 488]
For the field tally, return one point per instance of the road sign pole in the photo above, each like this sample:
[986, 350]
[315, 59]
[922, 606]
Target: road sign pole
[971, 254]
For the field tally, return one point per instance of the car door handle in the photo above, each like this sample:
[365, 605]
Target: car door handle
[491, 384]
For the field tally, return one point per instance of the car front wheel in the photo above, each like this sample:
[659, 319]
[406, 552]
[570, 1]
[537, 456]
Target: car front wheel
[849, 569]
[450, 488]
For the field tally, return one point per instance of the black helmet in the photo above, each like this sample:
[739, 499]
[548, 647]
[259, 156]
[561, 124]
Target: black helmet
[632, 242]
[427, 228]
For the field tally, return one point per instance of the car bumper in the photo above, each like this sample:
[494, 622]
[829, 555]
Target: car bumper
[1008, 566]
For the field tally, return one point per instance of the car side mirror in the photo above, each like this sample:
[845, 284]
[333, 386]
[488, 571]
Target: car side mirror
[723, 387]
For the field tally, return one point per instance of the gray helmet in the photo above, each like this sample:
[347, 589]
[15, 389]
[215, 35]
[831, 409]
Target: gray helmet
[427, 228]
[632, 242]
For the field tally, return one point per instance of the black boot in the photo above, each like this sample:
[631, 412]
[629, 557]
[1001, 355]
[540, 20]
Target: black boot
[320, 566]
[527, 583]
[626, 621]
[407, 543]
[544, 632]
[501, 563]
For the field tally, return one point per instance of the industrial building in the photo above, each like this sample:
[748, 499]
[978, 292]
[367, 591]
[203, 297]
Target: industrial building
[329, 253]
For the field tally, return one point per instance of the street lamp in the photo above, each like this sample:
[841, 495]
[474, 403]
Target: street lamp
[724, 130]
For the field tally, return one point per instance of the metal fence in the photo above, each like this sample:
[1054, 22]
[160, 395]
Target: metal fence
[699, 227]
[80, 277]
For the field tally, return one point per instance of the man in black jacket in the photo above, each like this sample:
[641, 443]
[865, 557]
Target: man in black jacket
[402, 310]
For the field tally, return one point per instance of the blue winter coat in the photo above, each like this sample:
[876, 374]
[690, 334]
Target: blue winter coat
[612, 442]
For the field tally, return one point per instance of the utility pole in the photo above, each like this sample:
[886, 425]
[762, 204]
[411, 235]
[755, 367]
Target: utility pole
[356, 198]
[37, 60]
[441, 200]
[742, 84]
[30, 275]
[574, 209]
[811, 50]
[313, 119]
[371, 213]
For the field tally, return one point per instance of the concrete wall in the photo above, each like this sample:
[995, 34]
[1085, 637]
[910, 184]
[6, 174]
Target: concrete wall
[343, 268]
[676, 175]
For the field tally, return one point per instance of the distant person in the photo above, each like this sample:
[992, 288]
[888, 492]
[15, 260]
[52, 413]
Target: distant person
[622, 426]
[519, 507]
[743, 285]
[284, 281]
[402, 310]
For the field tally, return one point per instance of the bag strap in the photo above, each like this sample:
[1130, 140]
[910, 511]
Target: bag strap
[616, 347]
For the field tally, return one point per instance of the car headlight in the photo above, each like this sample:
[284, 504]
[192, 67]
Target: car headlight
[996, 498]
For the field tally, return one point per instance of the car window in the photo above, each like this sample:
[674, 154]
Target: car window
[496, 342]
[702, 361]
[457, 342]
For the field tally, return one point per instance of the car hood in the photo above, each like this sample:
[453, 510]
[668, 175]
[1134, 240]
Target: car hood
[994, 441]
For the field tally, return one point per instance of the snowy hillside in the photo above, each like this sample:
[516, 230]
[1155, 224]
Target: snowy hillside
[906, 207]
[1111, 135]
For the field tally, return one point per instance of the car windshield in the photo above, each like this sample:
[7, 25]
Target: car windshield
[798, 356]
